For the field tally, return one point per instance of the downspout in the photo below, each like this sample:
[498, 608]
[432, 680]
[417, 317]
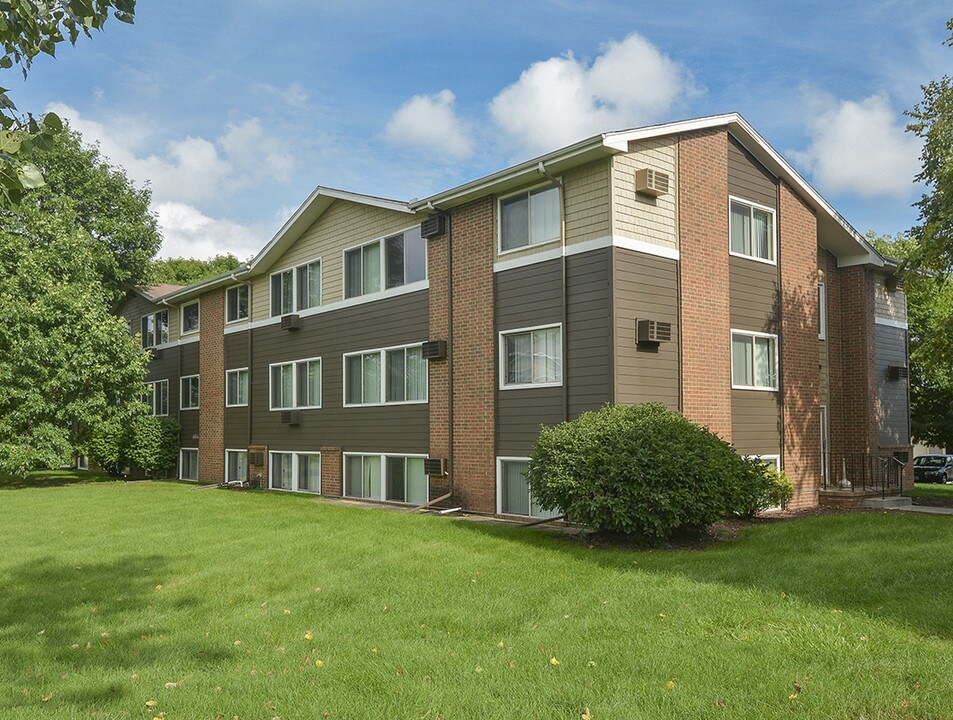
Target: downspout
[541, 169]
[781, 409]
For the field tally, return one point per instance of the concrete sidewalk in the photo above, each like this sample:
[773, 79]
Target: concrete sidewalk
[904, 504]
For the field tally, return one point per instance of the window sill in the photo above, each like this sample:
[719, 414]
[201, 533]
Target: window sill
[522, 248]
[754, 258]
[386, 404]
[531, 386]
[754, 387]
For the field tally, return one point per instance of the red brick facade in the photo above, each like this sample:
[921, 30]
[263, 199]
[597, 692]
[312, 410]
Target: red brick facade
[800, 380]
[212, 387]
[331, 472]
[704, 322]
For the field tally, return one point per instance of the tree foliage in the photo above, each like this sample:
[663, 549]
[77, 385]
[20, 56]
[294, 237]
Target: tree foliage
[28, 28]
[185, 271]
[153, 443]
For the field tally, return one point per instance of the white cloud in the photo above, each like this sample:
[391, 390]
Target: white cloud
[429, 122]
[859, 148]
[562, 99]
[294, 95]
[187, 232]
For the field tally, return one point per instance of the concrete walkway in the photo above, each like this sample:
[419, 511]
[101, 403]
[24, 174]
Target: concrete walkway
[904, 504]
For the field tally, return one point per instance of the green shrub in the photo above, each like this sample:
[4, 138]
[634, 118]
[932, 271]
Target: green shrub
[761, 487]
[639, 470]
[108, 445]
[154, 443]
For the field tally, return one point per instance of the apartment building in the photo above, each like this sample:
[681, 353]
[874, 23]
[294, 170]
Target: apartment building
[409, 351]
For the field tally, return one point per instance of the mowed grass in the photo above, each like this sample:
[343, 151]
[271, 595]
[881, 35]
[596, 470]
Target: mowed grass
[933, 491]
[217, 604]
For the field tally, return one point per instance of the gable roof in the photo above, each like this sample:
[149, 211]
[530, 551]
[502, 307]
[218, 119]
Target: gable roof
[153, 293]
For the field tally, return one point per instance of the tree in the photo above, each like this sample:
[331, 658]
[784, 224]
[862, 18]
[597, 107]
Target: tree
[28, 28]
[185, 271]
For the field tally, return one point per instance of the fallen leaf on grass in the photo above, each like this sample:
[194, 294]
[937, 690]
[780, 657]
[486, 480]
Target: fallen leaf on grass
[586, 715]
[501, 644]
[670, 685]
[309, 635]
[74, 646]
[47, 698]
[158, 587]
[553, 661]
[319, 663]
[151, 703]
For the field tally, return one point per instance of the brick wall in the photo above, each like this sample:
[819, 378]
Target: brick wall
[472, 350]
[853, 421]
[703, 277]
[212, 388]
[800, 379]
[258, 472]
[331, 472]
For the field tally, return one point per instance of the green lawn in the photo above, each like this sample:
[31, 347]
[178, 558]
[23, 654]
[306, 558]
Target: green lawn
[216, 604]
[933, 493]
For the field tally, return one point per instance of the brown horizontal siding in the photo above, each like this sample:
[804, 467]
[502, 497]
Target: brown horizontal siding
[747, 178]
[891, 394]
[755, 422]
[753, 295]
[190, 358]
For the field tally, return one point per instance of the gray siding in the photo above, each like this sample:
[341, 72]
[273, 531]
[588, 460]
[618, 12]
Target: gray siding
[893, 417]
[531, 296]
[753, 295]
[747, 178]
[756, 422]
[645, 287]
[132, 309]
[388, 428]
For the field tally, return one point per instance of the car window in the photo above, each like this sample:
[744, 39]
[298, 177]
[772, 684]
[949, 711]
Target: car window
[930, 461]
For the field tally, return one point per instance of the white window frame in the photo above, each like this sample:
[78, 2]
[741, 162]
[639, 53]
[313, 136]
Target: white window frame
[238, 288]
[821, 310]
[271, 297]
[774, 229]
[500, 460]
[777, 355]
[383, 355]
[499, 218]
[182, 330]
[182, 397]
[383, 269]
[295, 401]
[247, 389]
[296, 288]
[295, 467]
[153, 384]
[501, 342]
[240, 451]
[383, 458]
[155, 329]
[181, 453]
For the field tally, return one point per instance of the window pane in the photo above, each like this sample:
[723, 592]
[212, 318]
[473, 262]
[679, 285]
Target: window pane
[395, 376]
[309, 285]
[519, 366]
[544, 215]
[162, 326]
[416, 370]
[353, 476]
[190, 465]
[764, 362]
[231, 388]
[242, 387]
[395, 479]
[352, 376]
[418, 484]
[352, 273]
[394, 249]
[287, 292]
[282, 386]
[371, 385]
[547, 351]
[740, 229]
[514, 222]
[150, 397]
[415, 256]
[515, 491]
[148, 331]
[309, 473]
[741, 360]
[372, 477]
[237, 470]
[231, 304]
[761, 231]
[242, 302]
[371, 275]
[282, 468]
[275, 295]
[162, 398]
[194, 392]
[190, 318]
[309, 383]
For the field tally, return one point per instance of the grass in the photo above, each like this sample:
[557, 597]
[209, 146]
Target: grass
[216, 604]
[936, 494]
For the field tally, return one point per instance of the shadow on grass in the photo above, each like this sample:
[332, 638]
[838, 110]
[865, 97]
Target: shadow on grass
[894, 567]
[53, 478]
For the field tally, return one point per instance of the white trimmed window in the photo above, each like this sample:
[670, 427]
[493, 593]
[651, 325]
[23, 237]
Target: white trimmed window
[391, 478]
[295, 384]
[295, 472]
[236, 387]
[155, 329]
[752, 230]
[157, 397]
[388, 375]
[529, 217]
[754, 360]
[295, 289]
[512, 490]
[531, 357]
[189, 396]
[236, 303]
[190, 318]
[282, 292]
[821, 311]
[385, 263]
[189, 464]
[236, 466]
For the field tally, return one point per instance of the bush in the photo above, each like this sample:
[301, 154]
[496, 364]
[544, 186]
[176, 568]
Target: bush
[761, 487]
[108, 445]
[154, 443]
[639, 470]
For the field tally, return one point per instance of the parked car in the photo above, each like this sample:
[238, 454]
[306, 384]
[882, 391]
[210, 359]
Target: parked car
[933, 468]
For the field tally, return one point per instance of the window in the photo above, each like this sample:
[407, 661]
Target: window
[236, 303]
[189, 464]
[296, 384]
[754, 363]
[189, 396]
[157, 397]
[236, 466]
[296, 472]
[531, 357]
[82, 462]
[190, 318]
[752, 231]
[236, 388]
[402, 261]
[529, 218]
[821, 311]
[297, 288]
[394, 478]
[155, 329]
[390, 375]
[513, 495]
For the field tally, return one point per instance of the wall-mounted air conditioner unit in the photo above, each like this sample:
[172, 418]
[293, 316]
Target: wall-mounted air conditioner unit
[651, 182]
[898, 372]
[290, 322]
[434, 350]
[434, 226]
[290, 417]
[653, 331]
[435, 467]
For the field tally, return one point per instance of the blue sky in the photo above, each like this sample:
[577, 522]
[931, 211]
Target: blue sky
[234, 111]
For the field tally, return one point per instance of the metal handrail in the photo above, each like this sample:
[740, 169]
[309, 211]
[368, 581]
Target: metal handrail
[861, 472]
